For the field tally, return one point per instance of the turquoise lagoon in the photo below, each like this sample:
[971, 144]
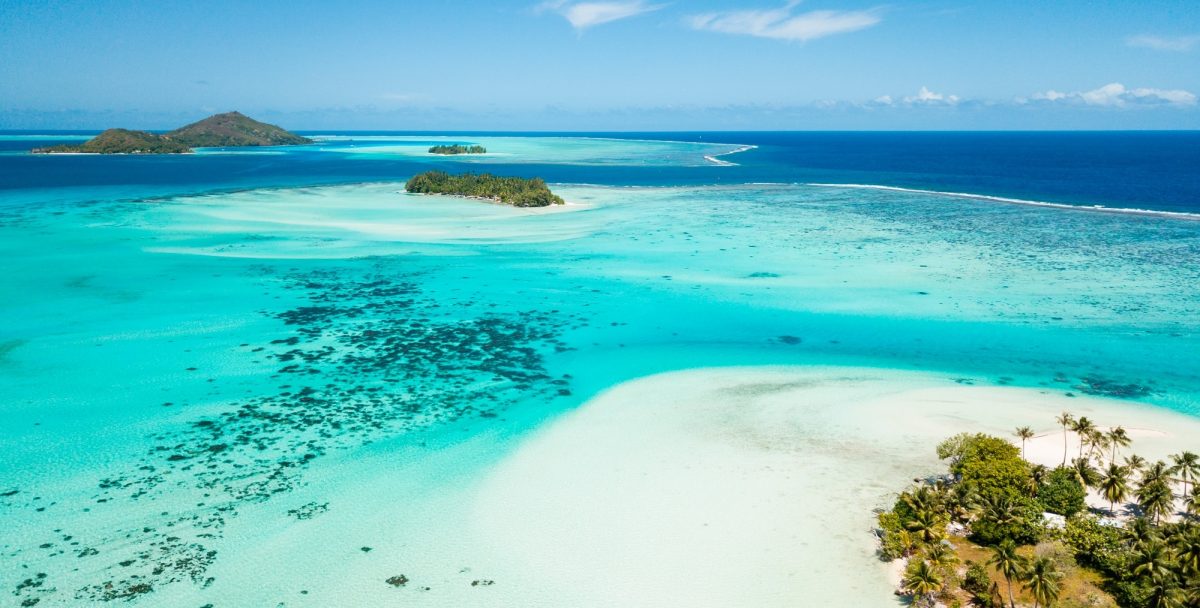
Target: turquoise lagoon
[244, 391]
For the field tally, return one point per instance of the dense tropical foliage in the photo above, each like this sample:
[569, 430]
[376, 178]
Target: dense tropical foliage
[457, 149]
[1030, 536]
[515, 191]
[120, 141]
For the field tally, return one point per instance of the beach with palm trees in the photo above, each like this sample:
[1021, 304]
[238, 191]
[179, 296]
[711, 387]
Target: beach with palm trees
[1015, 525]
[760, 486]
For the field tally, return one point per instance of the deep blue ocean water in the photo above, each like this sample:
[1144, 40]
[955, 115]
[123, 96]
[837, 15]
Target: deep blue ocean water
[1147, 170]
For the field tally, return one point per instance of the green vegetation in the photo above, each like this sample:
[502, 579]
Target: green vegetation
[233, 129]
[221, 130]
[515, 191]
[458, 149]
[120, 141]
[978, 534]
[1062, 493]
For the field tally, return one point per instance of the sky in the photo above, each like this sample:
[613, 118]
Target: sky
[616, 65]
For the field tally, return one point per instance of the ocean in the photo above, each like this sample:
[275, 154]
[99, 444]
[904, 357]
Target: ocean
[206, 356]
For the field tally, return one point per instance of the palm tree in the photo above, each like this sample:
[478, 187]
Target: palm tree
[1041, 581]
[1159, 471]
[1085, 473]
[922, 580]
[1141, 532]
[1151, 560]
[1135, 463]
[941, 556]
[1155, 499]
[1097, 440]
[1001, 510]
[1037, 474]
[960, 501]
[1164, 593]
[1083, 428]
[1187, 466]
[1065, 419]
[1117, 438]
[927, 526]
[1187, 552]
[1010, 565]
[1025, 434]
[1114, 486]
[924, 498]
[1192, 502]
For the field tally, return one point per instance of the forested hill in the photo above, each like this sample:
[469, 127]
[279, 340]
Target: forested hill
[231, 129]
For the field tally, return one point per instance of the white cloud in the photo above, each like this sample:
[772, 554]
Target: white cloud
[924, 97]
[583, 15]
[781, 24]
[1116, 94]
[1164, 43]
[1050, 95]
[927, 97]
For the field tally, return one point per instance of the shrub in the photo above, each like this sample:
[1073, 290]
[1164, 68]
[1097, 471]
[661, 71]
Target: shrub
[976, 581]
[1023, 528]
[991, 466]
[1060, 492]
[894, 541]
[1098, 546]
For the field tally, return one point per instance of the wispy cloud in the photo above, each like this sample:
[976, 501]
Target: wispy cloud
[924, 97]
[784, 24]
[583, 15]
[1116, 94]
[1180, 44]
[927, 97]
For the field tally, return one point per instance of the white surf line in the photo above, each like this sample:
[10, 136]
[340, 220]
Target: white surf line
[1180, 215]
[724, 163]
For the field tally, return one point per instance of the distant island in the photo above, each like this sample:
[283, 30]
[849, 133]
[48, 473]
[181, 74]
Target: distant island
[457, 149]
[515, 191]
[231, 129]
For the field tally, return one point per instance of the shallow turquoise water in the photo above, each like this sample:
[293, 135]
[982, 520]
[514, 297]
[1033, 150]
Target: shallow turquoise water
[172, 364]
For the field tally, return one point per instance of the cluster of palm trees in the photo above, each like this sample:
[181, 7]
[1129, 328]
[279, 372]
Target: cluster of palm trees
[1039, 576]
[932, 560]
[1154, 489]
[1160, 556]
[1167, 559]
[930, 569]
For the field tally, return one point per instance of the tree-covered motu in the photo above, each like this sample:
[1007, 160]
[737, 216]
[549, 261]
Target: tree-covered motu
[515, 191]
[449, 150]
[997, 507]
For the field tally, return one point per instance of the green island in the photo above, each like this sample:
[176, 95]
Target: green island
[457, 149]
[231, 129]
[515, 191]
[998, 530]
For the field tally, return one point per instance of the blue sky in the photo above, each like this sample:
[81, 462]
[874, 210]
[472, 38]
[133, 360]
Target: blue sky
[606, 65]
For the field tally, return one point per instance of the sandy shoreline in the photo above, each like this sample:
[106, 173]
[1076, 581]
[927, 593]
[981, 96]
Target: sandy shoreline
[745, 486]
[748, 486]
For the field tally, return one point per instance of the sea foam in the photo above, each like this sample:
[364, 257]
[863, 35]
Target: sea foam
[1180, 215]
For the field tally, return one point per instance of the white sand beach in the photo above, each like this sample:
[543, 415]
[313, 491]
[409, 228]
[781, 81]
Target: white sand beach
[747, 486]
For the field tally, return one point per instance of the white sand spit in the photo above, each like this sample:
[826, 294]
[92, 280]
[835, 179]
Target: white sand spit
[744, 486]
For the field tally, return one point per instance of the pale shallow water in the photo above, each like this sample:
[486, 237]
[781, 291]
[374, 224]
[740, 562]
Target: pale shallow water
[215, 366]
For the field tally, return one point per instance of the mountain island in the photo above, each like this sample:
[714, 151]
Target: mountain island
[231, 129]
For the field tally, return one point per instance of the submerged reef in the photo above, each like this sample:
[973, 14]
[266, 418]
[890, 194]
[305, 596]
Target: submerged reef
[365, 356]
